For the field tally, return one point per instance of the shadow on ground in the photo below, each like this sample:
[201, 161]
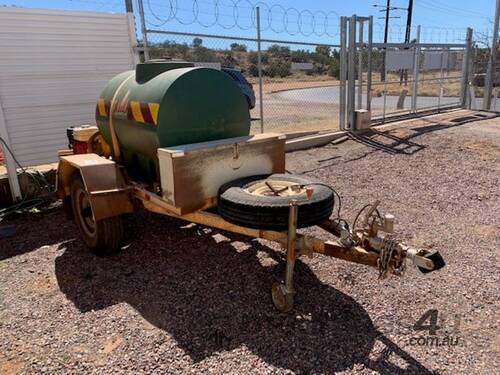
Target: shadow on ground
[211, 292]
[387, 141]
[34, 231]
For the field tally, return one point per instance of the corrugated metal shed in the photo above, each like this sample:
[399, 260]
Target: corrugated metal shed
[53, 66]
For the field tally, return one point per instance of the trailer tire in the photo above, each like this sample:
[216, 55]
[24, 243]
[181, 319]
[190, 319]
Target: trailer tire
[246, 202]
[103, 237]
[67, 206]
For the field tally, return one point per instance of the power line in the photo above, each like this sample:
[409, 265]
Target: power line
[454, 8]
[457, 12]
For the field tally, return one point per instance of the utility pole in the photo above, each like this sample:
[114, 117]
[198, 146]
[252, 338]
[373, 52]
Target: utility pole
[408, 21]
[128, 6]
[387, 14]
[386, 35]
[404, 73]
[387, 9]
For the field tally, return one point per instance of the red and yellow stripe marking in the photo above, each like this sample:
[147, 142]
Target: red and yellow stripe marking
[102, 108]
[146, 113]
[154, 108]
[135, 109]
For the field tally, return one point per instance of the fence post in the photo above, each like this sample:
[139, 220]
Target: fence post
[360, 66]
[466, 63]
[369, 72]
[351, 78]
[343, 71]
[132, 31]
[144, 31]
[491, 72]
[259, 66]
[416, 70]
[15, 189]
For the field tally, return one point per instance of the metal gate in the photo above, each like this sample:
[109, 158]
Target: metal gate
[415, 77]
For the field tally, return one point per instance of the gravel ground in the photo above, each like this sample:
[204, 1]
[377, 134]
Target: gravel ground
[187, 299]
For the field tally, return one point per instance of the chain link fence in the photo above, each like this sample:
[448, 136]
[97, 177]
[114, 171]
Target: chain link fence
[300, 76]
[299, 84]
[435, 83]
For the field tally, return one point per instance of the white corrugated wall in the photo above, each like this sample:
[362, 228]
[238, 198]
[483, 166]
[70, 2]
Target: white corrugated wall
[53, 66]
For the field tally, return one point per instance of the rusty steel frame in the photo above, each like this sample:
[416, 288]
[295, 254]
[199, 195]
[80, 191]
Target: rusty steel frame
[113, 196]
[304, 244]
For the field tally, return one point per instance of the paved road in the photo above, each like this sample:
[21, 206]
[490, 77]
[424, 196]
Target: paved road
[326, 95]
[318, 108]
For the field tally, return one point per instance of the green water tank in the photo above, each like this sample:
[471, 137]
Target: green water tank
[167, 103]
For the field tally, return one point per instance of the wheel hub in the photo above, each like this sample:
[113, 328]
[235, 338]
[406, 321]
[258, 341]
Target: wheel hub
[277, 188]
[85, 212]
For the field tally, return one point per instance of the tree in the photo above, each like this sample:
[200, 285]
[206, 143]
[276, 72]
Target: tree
[279, 68]
[253, 58]
[236, 47]
[323, 50]
[197, 42]
[204, 54]
[279, 51]
[253, 70]
[228, 60]
[334, 68]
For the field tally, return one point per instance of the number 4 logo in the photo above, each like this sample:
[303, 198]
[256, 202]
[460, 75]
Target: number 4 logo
[432, 317]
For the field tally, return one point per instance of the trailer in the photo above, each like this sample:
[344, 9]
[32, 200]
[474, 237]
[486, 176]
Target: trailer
[96, 191]
[223, 178]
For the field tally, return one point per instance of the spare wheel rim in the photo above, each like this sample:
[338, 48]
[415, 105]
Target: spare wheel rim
[274, 188]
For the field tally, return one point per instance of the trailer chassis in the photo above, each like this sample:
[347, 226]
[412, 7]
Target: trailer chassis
[362, 246]
[111, 193]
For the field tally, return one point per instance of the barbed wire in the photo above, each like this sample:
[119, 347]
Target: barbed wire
[241, 14]
[276, 18]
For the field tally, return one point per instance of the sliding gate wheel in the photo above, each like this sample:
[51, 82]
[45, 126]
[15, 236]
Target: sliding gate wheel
[263, 202]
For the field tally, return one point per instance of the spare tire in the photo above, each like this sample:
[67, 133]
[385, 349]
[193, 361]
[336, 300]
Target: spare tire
[263, 201]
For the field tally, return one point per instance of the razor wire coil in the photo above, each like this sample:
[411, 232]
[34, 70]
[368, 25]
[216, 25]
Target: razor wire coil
[278, 19]
[231, 14]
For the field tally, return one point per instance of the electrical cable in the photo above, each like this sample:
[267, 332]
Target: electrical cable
[25, 204]
[361, 211]
[334, 192]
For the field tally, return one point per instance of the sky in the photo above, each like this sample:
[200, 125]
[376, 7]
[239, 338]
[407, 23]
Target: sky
[312, 20]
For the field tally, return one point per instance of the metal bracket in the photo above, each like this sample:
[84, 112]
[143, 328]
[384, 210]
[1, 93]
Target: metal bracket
[291, 243]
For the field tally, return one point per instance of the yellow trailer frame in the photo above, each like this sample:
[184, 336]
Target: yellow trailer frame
[111, 193]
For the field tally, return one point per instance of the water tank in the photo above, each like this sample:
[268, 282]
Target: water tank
[167, 103]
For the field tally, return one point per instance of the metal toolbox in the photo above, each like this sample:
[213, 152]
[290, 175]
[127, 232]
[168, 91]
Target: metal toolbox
[191, 175]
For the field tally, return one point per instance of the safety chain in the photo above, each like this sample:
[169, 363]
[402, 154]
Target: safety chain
[389, 246]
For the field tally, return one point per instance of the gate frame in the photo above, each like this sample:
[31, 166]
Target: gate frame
[348, 102]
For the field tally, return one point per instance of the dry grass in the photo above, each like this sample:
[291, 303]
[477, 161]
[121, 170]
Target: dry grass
[295, 81]
[451, 87]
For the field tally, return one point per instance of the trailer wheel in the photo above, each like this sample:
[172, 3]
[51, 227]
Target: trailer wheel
[103, 237]
[282, 299]
[263, 202]
[67, 206]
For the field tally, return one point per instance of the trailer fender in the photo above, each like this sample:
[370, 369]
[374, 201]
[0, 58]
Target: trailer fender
[103, 180]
